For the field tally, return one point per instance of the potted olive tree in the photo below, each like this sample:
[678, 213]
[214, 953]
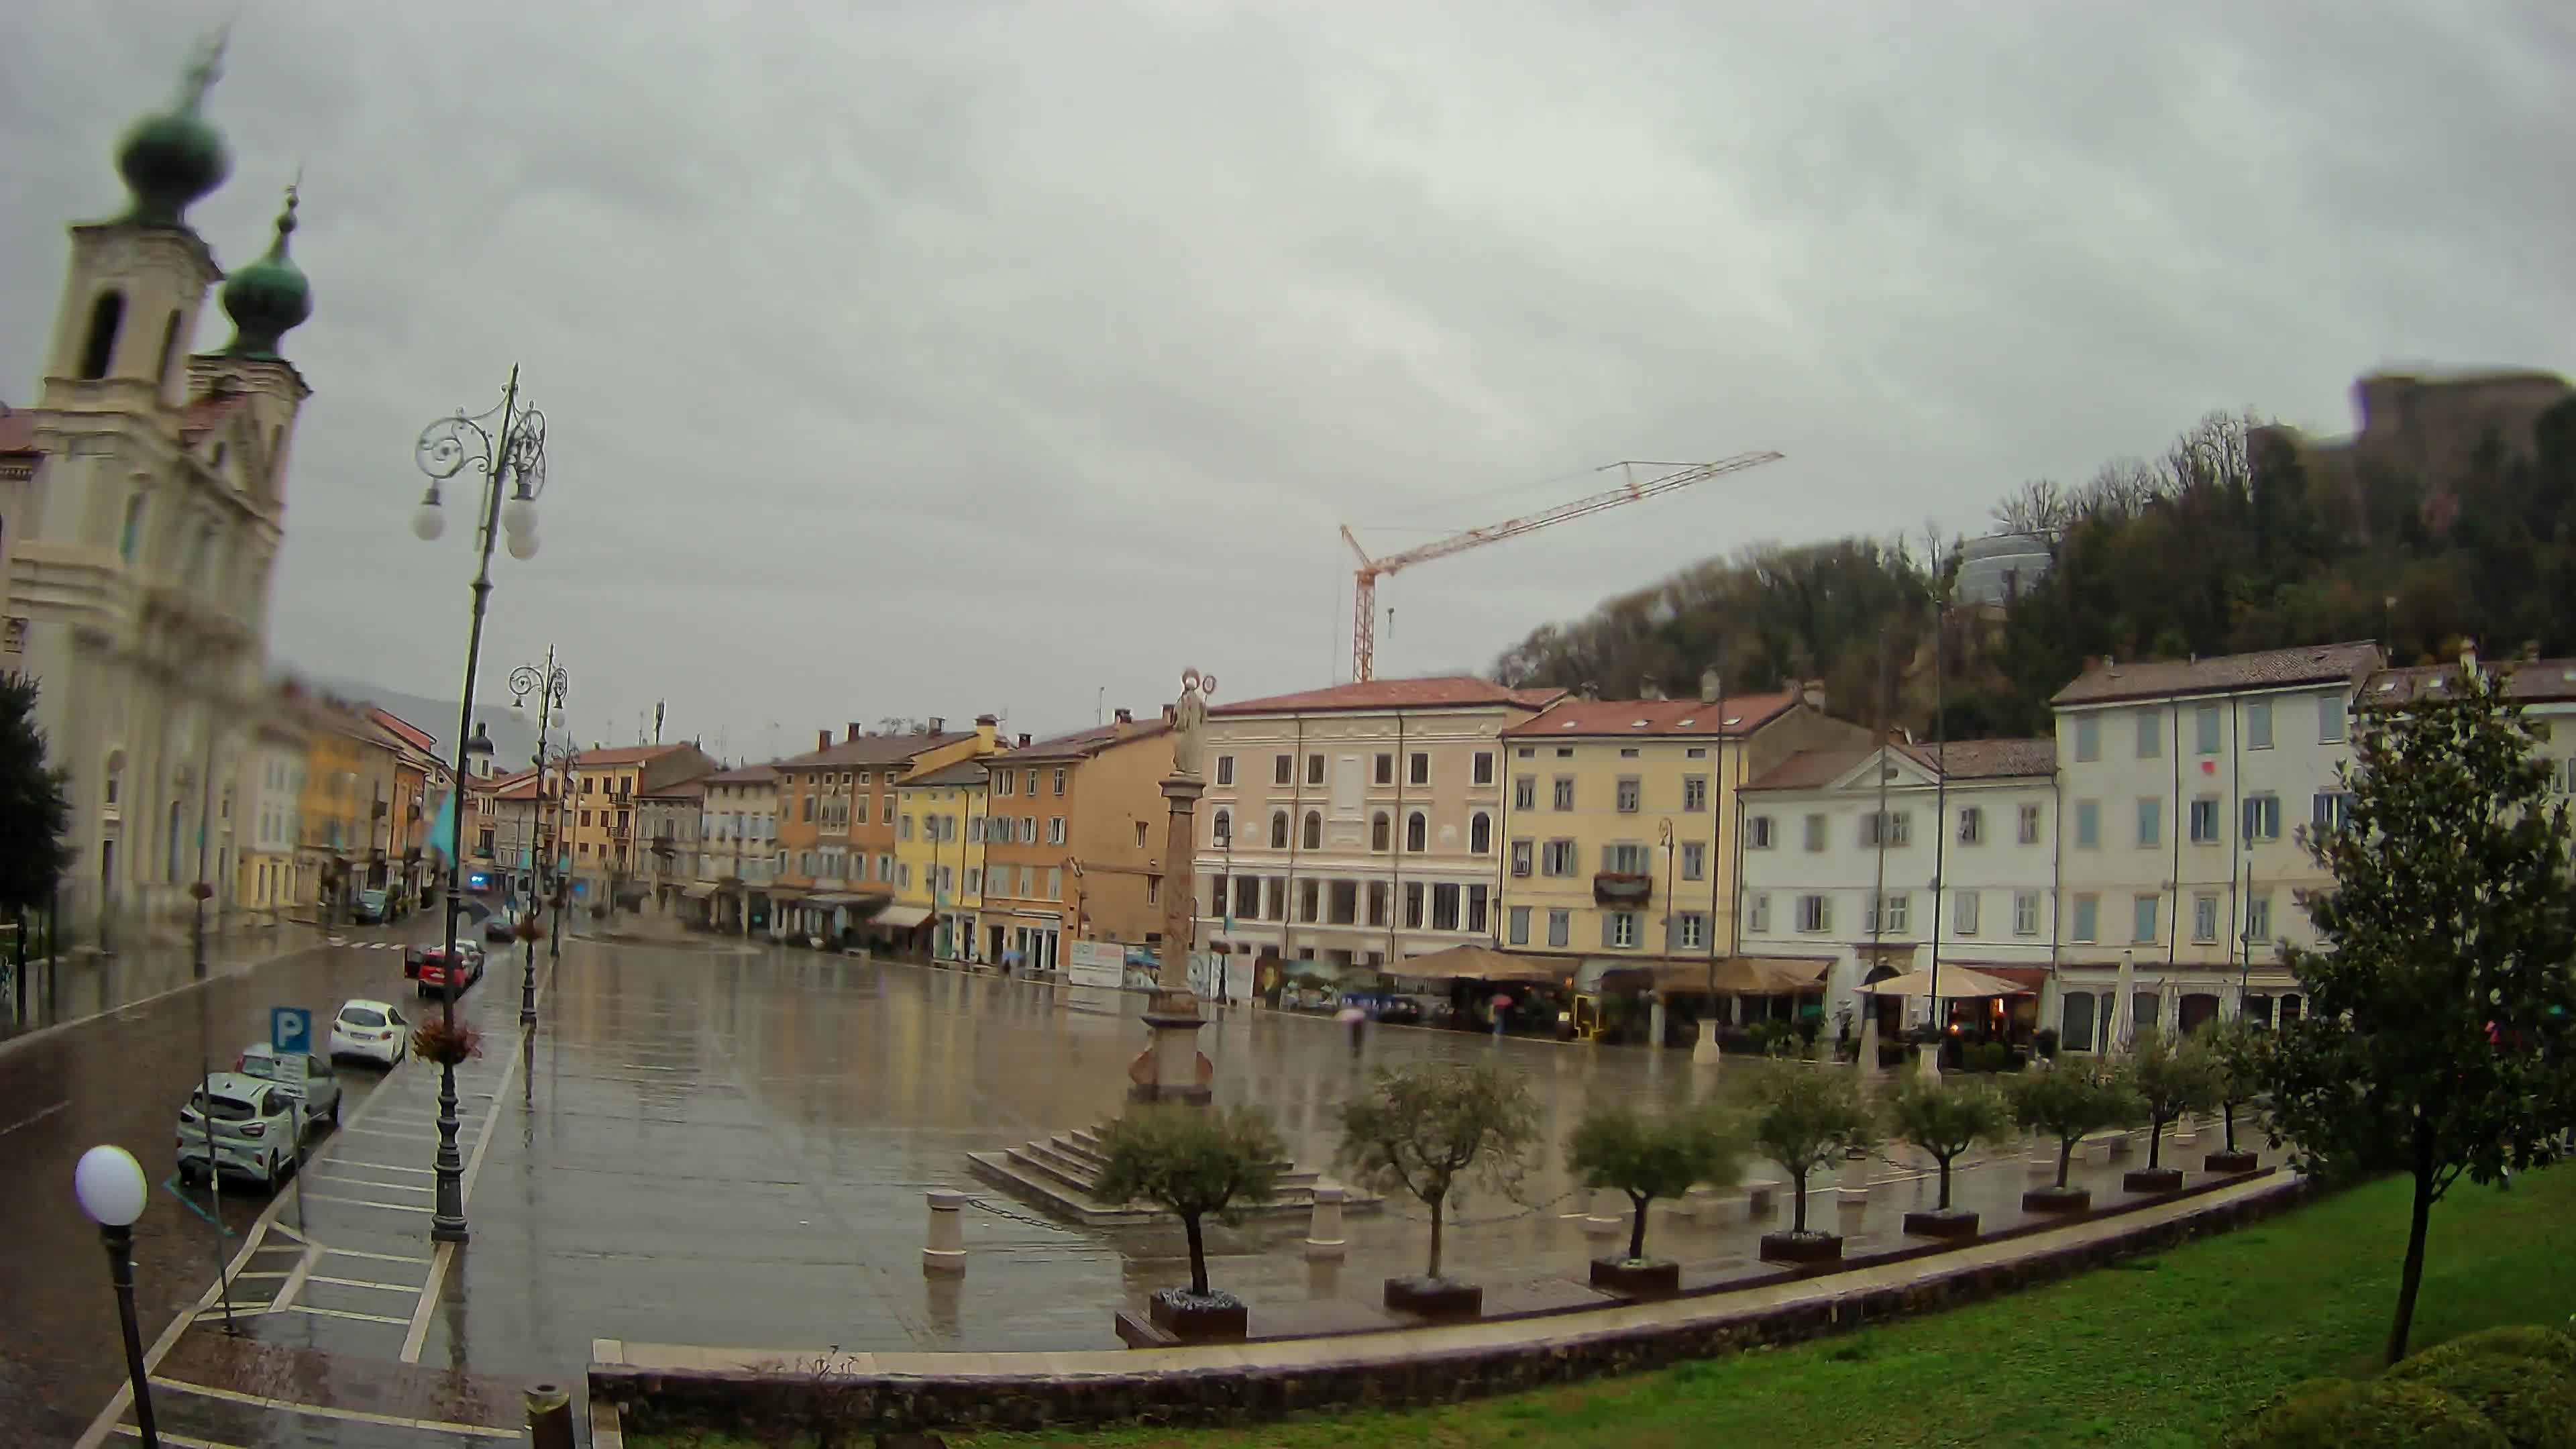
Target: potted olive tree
[1804, 1117]
[1197, 1162]
[1945, 1120]
[1427, 1129]
[1619, 1147]
[2068, 1102]
[2169, 1077]
[2242, 1051]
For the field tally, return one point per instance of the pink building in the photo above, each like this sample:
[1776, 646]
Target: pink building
[1358, 824]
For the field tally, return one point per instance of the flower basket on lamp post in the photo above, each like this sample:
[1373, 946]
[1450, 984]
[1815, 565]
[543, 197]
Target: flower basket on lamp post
[446, 1043]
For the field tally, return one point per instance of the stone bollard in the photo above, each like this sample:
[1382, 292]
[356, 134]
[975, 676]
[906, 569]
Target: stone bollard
[947, 1250]
[2187, 1131]
[1324, 1231]
[549, 1417]
[1761, 1196]
[1704, 1052]
[1699, 1205]
[1604, 1219]
[2043, 1158]
[1855, 1183]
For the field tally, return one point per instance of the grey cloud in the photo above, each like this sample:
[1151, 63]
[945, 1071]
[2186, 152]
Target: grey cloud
[899, 356]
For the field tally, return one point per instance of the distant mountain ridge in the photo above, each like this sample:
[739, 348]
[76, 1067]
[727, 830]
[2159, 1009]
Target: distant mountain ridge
[513, 731]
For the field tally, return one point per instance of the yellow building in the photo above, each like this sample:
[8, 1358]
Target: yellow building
[345, 811]
[1618, 820]
[599, 821]
[939, 854]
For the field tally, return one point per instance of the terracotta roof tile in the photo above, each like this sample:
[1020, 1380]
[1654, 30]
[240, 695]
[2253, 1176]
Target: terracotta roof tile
[962, 772]
[2530, 680]
[1453, 691]
[743, 775]
[2225, 673]
[1968, 759]
[1629, 717]
[1082, 744]
[874, 750]
[17, 430]
[1808, 770]
[623, 755]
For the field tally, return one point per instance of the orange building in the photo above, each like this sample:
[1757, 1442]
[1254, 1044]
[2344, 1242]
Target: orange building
[1073, 846]
[601, 811]
[836, 824]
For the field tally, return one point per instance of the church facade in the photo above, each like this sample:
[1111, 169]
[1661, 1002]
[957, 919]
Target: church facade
[141, 539]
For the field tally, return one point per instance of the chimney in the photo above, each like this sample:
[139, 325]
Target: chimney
[1123, 715]
[1812, 695]
[853, 728]
[822, 739]
[987, 730]
[1650, 688]
[1710, 686]
[1024, 739]
[935, 725]
[2531, 651]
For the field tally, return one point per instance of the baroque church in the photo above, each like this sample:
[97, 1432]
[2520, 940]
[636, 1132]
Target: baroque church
[140, 527]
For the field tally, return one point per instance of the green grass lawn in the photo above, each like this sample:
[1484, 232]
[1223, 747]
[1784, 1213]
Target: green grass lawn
[2160, 1351]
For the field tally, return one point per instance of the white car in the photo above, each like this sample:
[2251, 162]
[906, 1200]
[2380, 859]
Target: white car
[239, 1126]
[373, 1031]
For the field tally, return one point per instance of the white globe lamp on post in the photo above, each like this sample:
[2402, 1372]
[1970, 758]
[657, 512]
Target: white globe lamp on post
[112, 1191]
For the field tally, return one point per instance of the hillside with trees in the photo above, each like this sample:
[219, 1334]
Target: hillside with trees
[2219, 545]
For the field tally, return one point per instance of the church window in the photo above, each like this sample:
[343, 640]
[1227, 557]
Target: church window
[133, 534]
[105, 316]
[169, 349]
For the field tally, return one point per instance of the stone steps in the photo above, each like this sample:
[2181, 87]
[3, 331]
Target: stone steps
[1058, 1174]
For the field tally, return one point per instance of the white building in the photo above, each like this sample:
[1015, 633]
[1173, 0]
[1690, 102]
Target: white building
[2184, 783]
[269, 810]
[140, 556]
[1356, 824]
[1848, 858]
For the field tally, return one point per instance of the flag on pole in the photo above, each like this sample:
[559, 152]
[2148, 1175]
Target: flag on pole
[442, 833]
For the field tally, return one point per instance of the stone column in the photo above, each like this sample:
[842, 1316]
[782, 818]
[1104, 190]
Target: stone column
[1655, 1023]
[1324, 1231]
[1170, 1070]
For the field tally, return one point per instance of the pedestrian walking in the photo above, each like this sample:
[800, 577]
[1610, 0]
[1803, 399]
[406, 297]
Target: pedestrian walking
[1502, 1006]
[1354, 1021]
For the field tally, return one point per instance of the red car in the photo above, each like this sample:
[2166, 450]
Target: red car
[427, 965]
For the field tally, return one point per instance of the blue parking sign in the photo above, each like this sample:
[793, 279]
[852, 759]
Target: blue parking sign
[290, 1029]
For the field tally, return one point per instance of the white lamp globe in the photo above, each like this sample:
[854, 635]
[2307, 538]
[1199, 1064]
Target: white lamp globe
[428, 522]
[110, 1186]
[522, 546]
[519, 515]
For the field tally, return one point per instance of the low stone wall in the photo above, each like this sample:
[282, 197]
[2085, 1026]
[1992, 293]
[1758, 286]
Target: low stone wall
[728, 1391]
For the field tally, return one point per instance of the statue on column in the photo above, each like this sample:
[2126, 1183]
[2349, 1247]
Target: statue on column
[1189, 721]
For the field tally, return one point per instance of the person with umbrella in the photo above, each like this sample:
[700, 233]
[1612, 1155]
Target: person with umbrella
[1502, 1006]
[1353, 1018]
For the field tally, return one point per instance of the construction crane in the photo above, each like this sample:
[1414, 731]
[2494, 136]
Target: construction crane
[1364, 578]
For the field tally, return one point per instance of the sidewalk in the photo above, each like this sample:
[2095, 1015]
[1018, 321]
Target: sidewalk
[84, 984]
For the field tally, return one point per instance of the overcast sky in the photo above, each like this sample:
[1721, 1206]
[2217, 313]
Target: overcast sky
[938, 357]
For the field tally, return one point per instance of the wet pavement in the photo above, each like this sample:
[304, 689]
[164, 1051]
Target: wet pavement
[728, 1147]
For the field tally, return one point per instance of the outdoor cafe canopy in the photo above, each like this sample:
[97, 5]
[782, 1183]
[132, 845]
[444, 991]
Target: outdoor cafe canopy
[1958, 983]
[1472, 963]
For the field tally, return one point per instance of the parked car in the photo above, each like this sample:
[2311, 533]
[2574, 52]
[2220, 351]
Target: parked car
[301, 1075]
[239, 1126]
[428, 967]
[370, 1031]
[371, 908]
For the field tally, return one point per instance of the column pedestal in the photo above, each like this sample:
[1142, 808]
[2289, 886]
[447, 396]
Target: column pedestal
[1172, 1068]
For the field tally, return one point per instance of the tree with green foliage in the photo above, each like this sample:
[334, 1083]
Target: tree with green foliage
[35, 811]
[1617, 1146]
[1946, 1120]
[2071, 1101]
[2436, 1041]
[2170, 1077]
[1426, 1128]
[2240, 1051]
[1805, 1116]
[1197, 1162]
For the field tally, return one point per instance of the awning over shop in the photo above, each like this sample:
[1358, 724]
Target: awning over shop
[1473, 963]
[2028, 978]
[1958, 983]
[902, 918]
[832, 900]
[700, 891]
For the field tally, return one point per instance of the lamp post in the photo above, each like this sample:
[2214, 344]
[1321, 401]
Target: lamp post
[548, 685]
[507, 446]
[111, 1189]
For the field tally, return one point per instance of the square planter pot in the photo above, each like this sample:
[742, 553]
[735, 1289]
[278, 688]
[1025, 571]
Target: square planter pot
[1199, 1317]
[2057, 1200]
[1637, 1277]
[1942, 1223]
[1802, 1248]
[2152, 1179]
[2232, 1162]
[1436, 1297]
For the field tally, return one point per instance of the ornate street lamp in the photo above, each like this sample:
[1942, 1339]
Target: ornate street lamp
[507, 446]
[548, 685]
[112, 1191]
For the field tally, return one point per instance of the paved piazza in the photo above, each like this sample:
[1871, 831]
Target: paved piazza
[713, 1145]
